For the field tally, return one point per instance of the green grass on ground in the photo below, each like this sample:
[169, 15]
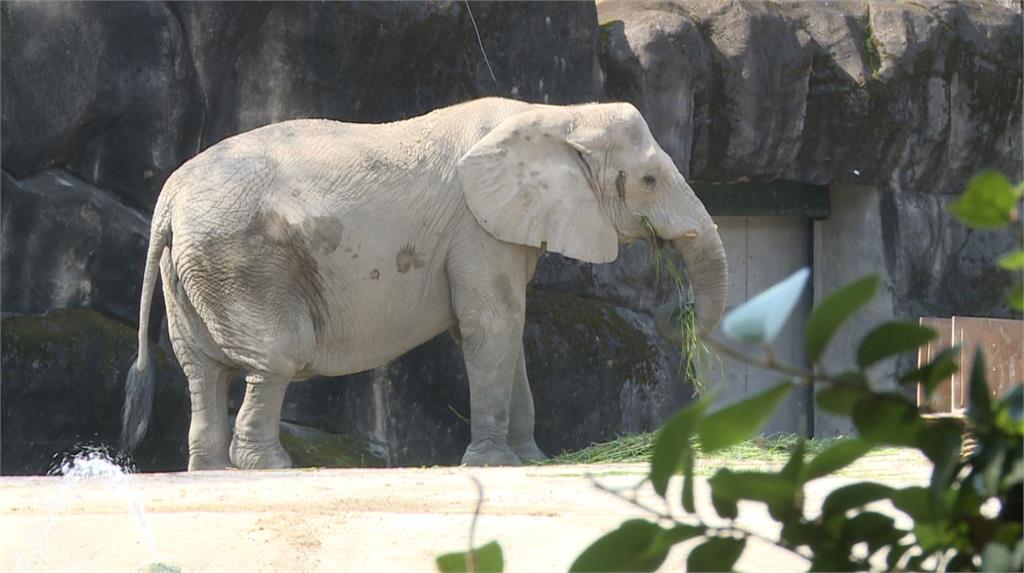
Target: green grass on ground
[765, 450]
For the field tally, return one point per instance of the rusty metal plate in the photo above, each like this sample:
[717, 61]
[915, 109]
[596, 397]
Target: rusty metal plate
[1002, 341]
[941, 400]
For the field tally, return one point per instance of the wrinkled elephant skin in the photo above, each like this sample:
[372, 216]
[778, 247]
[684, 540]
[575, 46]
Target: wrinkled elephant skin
[314, 247]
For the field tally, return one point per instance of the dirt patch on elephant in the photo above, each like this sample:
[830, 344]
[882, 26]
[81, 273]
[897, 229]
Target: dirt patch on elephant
[503, 288]
[269, 248]
[408, 258]
[324, 233]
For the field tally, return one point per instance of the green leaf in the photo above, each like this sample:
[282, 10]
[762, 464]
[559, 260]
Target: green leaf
[688, 504]
[873, 528]
[890, 339]
[1017, 558]
[842, 398]
[760, 319]
[678, 533]
[637, 545]
[487, 558]
[791, 471]
[979, 411]
[1010, 411]
[897, 551]
[941, 443]
[1013, 261]
[988, 203]
[854, 495]
[916, 502]
[726, 508]
[716, 554]
[832, 558]
[835, 457]
[887, 418]
[737, 422]
[834, 310]
[938, 370]
[991, 468]
[772, 489]
[995, 557]
[1013, 476]
[962, 562]
[797, 532]
[1016, 297]
[672, 440]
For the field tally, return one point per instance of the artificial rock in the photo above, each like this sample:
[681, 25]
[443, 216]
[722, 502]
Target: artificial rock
[101, 102]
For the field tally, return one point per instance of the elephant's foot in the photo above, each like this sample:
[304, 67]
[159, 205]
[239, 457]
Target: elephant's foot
[198, 462]
[247, 455]
[529, 452]
[208, 453]
[490, 452]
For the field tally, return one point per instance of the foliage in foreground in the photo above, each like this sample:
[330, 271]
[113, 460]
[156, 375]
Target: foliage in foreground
[969, 516]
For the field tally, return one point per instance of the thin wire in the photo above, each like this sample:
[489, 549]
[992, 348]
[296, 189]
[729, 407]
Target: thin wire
[481, 42]
[471, 554]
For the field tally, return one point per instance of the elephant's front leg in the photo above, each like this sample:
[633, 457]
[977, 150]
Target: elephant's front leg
[257, 441]
[521, 422]
[488, 281]
[491, 347]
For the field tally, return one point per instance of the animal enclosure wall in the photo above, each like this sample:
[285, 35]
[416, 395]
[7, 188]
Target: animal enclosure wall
[762, 251]
[102, 101]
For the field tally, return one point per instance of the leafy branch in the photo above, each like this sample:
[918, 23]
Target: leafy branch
[969, 517]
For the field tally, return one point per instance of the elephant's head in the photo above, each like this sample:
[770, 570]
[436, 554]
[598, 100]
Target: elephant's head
[582, 179]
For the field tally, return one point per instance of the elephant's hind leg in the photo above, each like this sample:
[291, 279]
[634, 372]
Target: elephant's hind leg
[208, 431]
[257, 441]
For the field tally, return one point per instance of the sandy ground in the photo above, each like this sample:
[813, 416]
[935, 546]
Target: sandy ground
[351, 520]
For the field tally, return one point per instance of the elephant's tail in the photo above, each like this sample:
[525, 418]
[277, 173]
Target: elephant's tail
[140, 385]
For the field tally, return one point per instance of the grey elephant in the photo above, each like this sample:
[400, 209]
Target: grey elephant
[315, 247]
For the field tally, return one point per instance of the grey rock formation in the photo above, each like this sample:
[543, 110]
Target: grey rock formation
[310, 447]
[63, 376]
[68, 244]
[373, 62]
[106, 90]
[915, 96]
[911, 98]
[99, 109]
[100, 102]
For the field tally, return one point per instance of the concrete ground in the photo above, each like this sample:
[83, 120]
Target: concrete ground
[352, 520]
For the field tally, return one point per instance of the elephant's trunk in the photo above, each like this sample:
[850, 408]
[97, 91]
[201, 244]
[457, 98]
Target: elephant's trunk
[708, 273]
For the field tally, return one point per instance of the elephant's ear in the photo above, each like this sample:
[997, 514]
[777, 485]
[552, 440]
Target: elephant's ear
[529, 182]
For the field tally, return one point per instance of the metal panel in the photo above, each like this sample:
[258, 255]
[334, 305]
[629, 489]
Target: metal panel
[847, 246]
[941, 400]
[772, 198]
[1002, 341]
[762, 252]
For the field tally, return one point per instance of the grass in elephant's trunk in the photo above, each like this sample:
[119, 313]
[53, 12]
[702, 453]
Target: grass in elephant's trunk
[695, 357]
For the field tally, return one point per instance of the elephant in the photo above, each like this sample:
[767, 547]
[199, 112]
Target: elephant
[318, 247]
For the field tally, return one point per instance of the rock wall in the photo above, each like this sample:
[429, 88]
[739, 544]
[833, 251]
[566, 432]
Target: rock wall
[102, 101]
[103, 106]
[894, 105]
[910, 97]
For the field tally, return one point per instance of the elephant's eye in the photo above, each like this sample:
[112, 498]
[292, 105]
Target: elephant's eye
[649, 180]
